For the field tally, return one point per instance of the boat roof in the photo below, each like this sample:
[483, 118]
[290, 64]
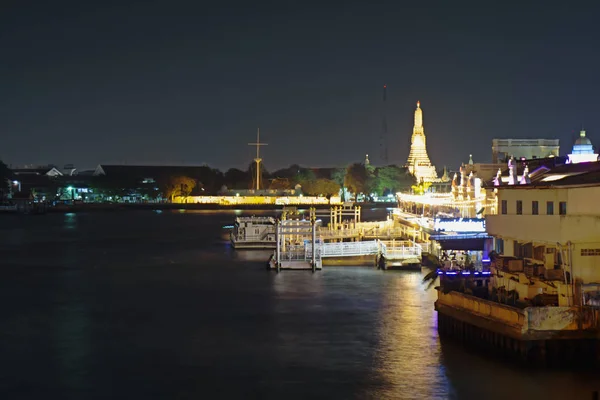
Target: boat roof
[256, 220]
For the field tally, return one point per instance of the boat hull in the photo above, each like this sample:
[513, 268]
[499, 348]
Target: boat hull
[352, 261]
[254, 245]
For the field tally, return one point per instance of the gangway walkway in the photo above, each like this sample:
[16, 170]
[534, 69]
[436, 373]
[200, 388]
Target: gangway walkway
[391, 250]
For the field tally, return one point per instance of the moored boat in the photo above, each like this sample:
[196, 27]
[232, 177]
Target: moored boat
[253, 233]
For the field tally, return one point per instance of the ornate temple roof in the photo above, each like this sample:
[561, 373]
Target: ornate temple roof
[418, 161]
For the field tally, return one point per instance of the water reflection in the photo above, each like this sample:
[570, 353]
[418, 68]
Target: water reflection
[70, 221]
[407, 354]
[72, 344]
[141, 305]
[252, 255]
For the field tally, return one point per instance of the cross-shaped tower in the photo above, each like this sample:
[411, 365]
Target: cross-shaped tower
[258, 159]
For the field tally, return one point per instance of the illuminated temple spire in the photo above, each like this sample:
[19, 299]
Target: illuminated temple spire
[418, 161]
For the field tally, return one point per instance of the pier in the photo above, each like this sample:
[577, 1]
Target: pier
[307, 244]
[374, 252]
[292, 250]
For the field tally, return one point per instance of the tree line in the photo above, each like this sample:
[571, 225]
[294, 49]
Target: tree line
[355, 178]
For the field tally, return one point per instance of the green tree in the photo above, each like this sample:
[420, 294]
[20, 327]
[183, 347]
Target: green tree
[392, 179]
[339, 177]
[236, 178]
[421, 187]
[280, 184]
[178, 186]
[107, 186]
[305, 177]
[357, 178]
[326, 187]
[290, 173]
[6, 176]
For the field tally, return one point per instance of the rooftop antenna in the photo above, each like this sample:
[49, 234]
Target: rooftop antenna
[383, 138]
[258, 159]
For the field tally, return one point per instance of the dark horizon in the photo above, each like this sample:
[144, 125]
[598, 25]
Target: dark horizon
[158, 83]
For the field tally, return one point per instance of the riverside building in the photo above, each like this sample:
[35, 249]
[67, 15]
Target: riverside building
[540, 298]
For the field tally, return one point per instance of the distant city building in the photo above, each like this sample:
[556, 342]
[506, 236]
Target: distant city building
[583, 151]
[418, 162]
[37, 170]
[504, 149]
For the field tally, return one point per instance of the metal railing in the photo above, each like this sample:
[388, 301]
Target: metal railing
[400, 249]
[346, 249]
[300, 253]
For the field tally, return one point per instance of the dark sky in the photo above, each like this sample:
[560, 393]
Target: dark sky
[89, 82]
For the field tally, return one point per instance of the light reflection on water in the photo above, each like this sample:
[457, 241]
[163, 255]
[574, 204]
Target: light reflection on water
[147, 305]
[407, 353]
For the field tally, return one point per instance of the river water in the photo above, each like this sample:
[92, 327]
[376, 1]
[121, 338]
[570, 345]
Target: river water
[155, 305]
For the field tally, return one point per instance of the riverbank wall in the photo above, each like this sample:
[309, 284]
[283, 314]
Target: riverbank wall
[546, 336]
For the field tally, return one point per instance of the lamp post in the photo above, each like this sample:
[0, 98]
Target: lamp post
[18, 184]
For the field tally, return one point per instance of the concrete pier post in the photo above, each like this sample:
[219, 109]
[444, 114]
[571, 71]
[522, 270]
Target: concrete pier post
[314, 244]
[278, 241]
[332, 218]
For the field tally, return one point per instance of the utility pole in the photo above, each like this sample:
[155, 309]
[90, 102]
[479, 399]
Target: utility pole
[383, 139]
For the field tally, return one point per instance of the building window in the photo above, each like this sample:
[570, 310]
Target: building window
[549, 208]
[535, 208]
[590, 252]
[500, 246]
[519, 207]
[504, 207]
[562, 208]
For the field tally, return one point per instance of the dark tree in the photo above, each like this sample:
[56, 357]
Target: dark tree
[236, 179]
[356, 179]
[6, 177]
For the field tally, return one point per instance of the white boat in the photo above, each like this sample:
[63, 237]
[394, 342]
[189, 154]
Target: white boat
[253, 233]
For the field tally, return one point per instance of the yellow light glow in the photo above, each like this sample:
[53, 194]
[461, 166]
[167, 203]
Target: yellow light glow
[557, 177]
[258, 200]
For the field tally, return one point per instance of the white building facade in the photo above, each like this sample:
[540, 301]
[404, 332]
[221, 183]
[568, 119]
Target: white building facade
[556, 229]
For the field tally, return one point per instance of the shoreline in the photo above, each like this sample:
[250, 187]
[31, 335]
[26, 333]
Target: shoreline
[95, 207]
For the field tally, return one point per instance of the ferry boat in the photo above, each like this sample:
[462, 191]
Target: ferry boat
[253, 233]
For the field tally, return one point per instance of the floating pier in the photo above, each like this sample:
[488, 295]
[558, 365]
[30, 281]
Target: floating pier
[292, 251]
[306, 244]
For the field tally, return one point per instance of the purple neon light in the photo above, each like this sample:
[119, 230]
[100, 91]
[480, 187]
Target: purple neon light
[442, 272]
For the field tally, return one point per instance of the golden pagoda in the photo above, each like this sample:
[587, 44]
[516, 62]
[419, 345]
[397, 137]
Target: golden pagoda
[418, 162]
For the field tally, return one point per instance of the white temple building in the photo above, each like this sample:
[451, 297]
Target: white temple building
[583, 151]
[418, 162]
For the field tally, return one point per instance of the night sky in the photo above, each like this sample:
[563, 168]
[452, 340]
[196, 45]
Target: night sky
[89, 82]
